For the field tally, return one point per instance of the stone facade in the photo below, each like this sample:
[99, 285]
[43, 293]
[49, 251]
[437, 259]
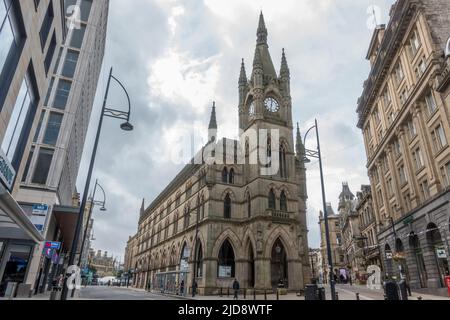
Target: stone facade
[404, 116]
[242, 220]
[335, 232]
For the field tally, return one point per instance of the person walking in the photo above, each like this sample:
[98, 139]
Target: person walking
[182, 288]
[194, 288]
[236, 289]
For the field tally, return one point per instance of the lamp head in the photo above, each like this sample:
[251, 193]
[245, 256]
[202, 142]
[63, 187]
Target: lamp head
[306, 160]
[126, 126]
[103, 209]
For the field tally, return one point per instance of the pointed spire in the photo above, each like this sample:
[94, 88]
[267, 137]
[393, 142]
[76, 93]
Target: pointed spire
[142, 207]
[299, 143]
[213, 121]
[257, 62]
[284, 71]
[262, 30]
[243, 75]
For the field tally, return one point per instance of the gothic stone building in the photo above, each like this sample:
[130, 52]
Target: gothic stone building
[219, 222]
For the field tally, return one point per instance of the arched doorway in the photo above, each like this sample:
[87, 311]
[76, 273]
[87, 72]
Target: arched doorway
[184, 267]
[414, 243]
[400, 258]
[226, 265]
[279, 265]
[440, 253]
[251, 267]
[199, 260]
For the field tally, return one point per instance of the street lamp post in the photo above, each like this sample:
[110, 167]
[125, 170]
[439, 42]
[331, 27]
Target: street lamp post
[317, 154]
[126, 126]
[93, 203]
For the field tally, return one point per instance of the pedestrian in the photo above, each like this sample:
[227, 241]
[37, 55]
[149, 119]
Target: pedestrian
[236, 289]
[182, 288]
[194, 288]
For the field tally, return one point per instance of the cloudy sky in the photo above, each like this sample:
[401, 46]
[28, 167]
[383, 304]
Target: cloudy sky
[176, 57]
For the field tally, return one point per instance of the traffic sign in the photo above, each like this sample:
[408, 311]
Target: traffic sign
[53, 245]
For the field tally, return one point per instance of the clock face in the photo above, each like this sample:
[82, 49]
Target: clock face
[272, 105]
[251, 109]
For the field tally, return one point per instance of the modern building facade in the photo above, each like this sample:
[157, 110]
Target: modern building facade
[404, 116]
[72, 35]
[235, 214]
[29, 33]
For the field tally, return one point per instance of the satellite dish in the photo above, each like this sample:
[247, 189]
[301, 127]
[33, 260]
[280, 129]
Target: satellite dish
[447, 48]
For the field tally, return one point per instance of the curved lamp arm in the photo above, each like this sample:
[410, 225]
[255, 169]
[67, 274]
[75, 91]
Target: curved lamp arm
[104, 194]
[128, 97]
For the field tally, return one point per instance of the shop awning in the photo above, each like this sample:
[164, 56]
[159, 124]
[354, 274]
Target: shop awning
[66, 218]
[14, 222]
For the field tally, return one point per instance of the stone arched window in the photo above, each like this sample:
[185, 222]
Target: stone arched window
[158, 236]
[272, 199]
[175, 224]
[269, 151]
[202, 213]
[283, 164]
[225, 175]
[226, 265]
[186, 216]
[283, 202]
[166, 230]
[249, 205]
[227, 207]
[198, 260]
[231, 176]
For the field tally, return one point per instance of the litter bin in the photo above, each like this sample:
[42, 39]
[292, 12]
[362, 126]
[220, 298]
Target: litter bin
[403, 290]
[321, 294]
[391, 290]
[311, 292]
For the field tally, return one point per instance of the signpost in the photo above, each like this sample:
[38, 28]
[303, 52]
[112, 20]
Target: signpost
[39, 216]
[7, 172]
[441, 252]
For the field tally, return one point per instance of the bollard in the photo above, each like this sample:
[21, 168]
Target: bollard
[221, 293]
[254, 294]
[278, 294]
[228, 292]
[337, 296]
[245, 294]
[357, 296]
[265, 294]
[419, 298]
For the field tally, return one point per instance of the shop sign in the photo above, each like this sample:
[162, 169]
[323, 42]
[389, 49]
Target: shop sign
[389, 255]
[39, 216]
[224, 271]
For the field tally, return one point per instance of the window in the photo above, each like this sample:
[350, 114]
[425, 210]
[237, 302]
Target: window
[70, 63]
[412, 129]
[187, 215]
[425, 190]
[397, 148]
[249, 206]
[402, 174]
[283, 164]
[431, 103]
[226, 266]
[272, 199]
[43, 166]
[420, 69]
[231, 176]
[225, 175]
[62, 94]
[46, 24]
[12, 37]
[85, 9]
[50, 53]
[77, 37]
[390, 187]
[418, 159]
[376, 115]
[19, 123]
[386, 97]
[407, 200]
[53, 127]
[445, 173]
[438, 137]
[414, 44]
[403, 96]
[38, 129]
[199, 260]
[27, 166]
[283, 202]
[399, 75]
[175, 224]
[380, 198]
[227, 207]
